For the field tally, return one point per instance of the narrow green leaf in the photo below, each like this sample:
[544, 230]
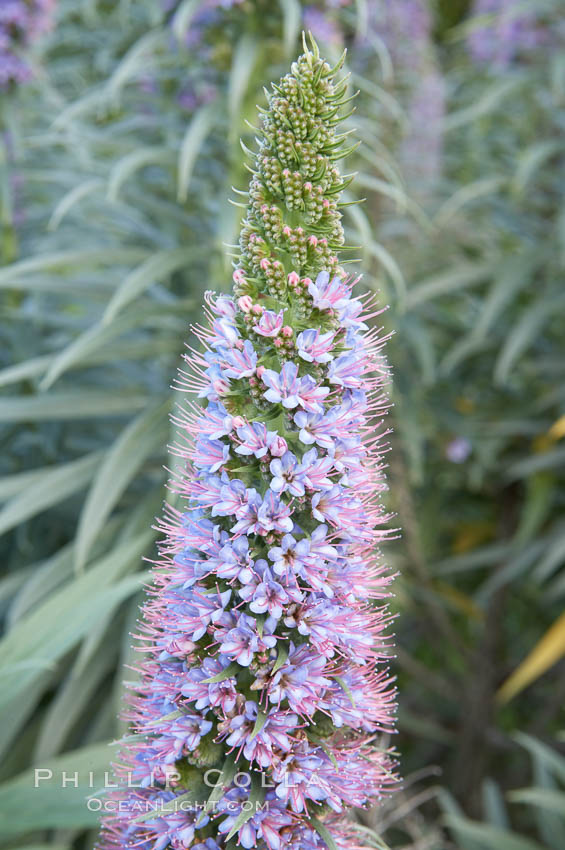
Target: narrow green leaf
[11, 276]
[48, 488]
[494, 806]
[324, 833]
[194, 138]
[346, 689]
[68, 201]
[39, 639]
[155, 268]
[490, 836]
[447, 283]
[243, 62]
[490, 100]
[466, 195]
[68, 405]
[25, 370]
[281, 657]
[137, 61]
[532, 159]
[552, 759]
[543, 798]
[72, 701]
[229, 770]
[50, 804]
[523, 335]
[11, 485]
[132, 162]
[514, 274]
[231, 670]
[292, 19]
[259, 723]
[138, 441]
[182, 18]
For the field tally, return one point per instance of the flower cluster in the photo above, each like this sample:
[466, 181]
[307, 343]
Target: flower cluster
[21, 23]
[265, 692]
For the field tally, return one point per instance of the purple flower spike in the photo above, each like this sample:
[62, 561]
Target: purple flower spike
[265, 631]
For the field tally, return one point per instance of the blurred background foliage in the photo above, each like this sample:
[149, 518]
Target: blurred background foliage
[120, 124]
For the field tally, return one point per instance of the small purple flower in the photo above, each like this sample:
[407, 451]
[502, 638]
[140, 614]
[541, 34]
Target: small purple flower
[328, 294]
[289, 557]
[234, 561]
[274, 515]
[458, 450]
[217, 385]
[292, 391]
[269, 597]
[255, 439]
[222, 305]
[224, 333]
[314, 428]
[283, 387]
[314, 470]
[300, 680]
[211, 454]
[230, 499]
[347, 371]
[241, 363]
[287, 475]
[269, 324]
[241, 643]
[247, 516]
[216, 422]
[315, 347]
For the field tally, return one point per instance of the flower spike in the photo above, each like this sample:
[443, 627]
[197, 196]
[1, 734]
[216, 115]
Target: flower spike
[264, 691]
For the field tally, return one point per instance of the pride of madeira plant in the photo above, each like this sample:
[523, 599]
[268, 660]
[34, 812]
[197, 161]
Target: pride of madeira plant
[257, 718]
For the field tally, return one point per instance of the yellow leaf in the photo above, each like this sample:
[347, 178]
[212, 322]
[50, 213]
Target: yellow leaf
[544, 655]
[557, 430]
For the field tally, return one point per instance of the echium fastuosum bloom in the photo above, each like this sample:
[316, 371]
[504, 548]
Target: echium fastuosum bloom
[22, 22]
[265, 694]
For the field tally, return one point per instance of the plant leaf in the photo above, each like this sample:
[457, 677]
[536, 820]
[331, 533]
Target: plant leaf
[292, 18]
[81, 404]
[324, 833]
[138, 441]
[547, 652]
[194, 138]
[256, 795]
[157, 267]
[47, 488]
[50, 805]
[131, 163]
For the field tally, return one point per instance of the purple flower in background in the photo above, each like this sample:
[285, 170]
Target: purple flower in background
[22, 22]
[458, 450]
[321, 25]
[507, 32]
[404, 28]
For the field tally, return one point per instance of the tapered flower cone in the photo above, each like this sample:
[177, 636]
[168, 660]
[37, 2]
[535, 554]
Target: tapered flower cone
[264, 693]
